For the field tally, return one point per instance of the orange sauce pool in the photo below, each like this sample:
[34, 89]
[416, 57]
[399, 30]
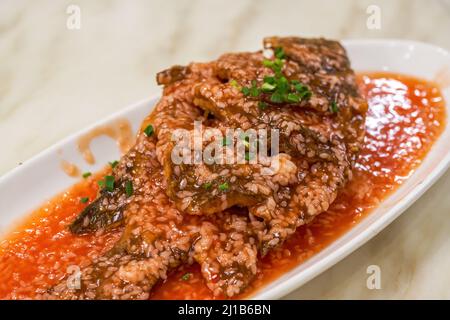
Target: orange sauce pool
[406, 116]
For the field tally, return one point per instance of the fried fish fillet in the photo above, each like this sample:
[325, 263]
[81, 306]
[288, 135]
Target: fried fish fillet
[224, 215]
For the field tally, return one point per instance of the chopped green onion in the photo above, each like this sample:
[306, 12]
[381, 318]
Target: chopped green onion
[267, 87]
[262, 105]
[283, 85]
[114, 164]
[186, 276]
[247, 156]
[281, 88]
[224, 186]
[246, 141]
[300, 87]
[86, 174]
[234, 83]
[305, 94]
[270, 79]
[109, 183]
[254, 91]
[276, 97]
[226, 141]
[293, 98]
[268, 63]
[277, 66]
[129, 188]
[207, 185]
[149, 130]
[245, 91]
[279, 53]
[84, 200]
[334, 107]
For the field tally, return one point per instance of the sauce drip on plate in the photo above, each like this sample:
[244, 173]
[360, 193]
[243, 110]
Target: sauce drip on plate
[70, 169]
[406, 116]
[120, 130]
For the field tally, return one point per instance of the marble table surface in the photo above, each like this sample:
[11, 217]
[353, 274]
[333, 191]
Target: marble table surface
[55, 80]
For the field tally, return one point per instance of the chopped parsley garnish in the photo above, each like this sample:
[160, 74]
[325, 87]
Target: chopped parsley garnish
[149, 130]
[186, 276]
[109, 183]
[101, 183]
[224, 186]
[114, 164]
[207, 185]
[86, 174]
[129, 188]
[334, 108]
[84, 199]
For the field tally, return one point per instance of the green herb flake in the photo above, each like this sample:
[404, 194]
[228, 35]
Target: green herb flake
[149, 130]
[334, 108]
[278, 86]
[101, 183]
[262, 105]
[84, 200]
[268, 87]
[269, 79]
[245, 91]
[129, 188]
[268, 63]
[109, 183]
[207, 185]
[186, 276]
[254, 90]
[277, 66]
[86, 175]
[224, 186]
[279, 53]
[114, 164]
[226, 142]
[292, 98]
[276, 97]
[246, 142]
[234, 84]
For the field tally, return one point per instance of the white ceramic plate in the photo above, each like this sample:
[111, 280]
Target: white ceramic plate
[40, 178]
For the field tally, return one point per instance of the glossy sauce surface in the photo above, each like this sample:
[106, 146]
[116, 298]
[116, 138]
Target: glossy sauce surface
[406, 115]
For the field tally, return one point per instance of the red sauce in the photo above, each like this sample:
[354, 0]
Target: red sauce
[406, 116]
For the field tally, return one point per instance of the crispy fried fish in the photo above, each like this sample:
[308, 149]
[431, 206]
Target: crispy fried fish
[222, 214]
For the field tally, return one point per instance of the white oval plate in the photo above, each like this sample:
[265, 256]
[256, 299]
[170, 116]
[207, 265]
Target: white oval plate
[26, 187]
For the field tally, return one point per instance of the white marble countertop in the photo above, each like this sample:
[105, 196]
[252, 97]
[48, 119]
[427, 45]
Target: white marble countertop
[55, 81]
